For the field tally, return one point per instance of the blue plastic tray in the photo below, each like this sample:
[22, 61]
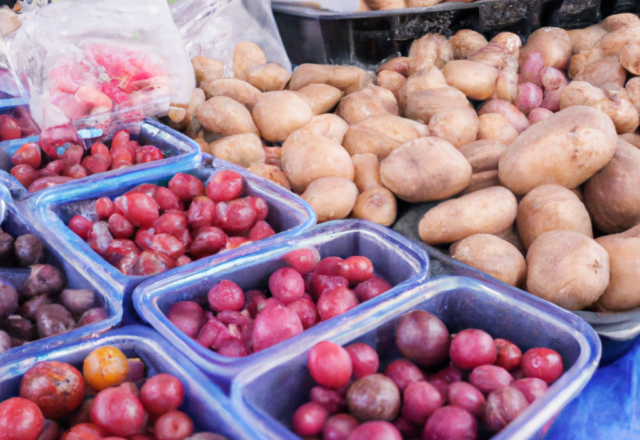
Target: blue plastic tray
[460, 302]
[288, 215]
[396, 259]
[178, 149]
[16, 223]
[204, 402]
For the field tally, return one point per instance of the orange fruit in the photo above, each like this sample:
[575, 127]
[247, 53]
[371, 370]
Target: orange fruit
[105, 367]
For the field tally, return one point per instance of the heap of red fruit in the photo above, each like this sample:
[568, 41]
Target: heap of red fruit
[109, 400]
[37, 170]
[151, 229]
[480, 380]
[9, 128]
[309, 291]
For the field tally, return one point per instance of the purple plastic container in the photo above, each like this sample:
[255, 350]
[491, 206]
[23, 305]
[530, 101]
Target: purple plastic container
[288, 215]
[461, 303]
[16, 223]
[179, 152]
[394, 258]
[204, 402]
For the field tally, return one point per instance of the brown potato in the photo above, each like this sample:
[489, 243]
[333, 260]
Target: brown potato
[475, 80]
[278, 114]
[308, 158]
[398, 64]
[633, 89]
[392, 81]
[424, 170]
[225, 117]
[465, 42]
[620, 108]
[554, 44]
[507, 85]
[630, 57]
[207, 69]
[566, 149]
[508, 110]
[240, 91]
[623, 292]
[242, 149]
[429, 79]
[488, 211]
[567, 268]
[493, 256]
[327, 125]
[349, 79]
[510, 42]
[272, 156]
[587, 38]
[495, 127]
[510, 235]
[423, 105]
[620, 21]
[457, 125]
[632, 138]
[429, 51]
[492, 55]
[245, 56]
[613, 42]
[422, 3]
[377, 205]
[581, 93]
[197, 99]
[551, 208]
[321, 97]
[482, 180]
[602, 71]
[381, 135]
[483, 155]
[583, 59]
[271, 173]
[269, 77]
[611, 195]
[383, 5]
[367, 171]
[368, 102]
[332, 198]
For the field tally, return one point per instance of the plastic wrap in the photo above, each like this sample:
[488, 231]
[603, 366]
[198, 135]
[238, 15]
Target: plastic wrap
[96, 61]
[460, 302]
[212, 28]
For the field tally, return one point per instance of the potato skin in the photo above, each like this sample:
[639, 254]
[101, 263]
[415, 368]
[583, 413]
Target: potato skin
[270, 172]
[308, 158]
[482, 180]
[268, 77]
[631, 138]
[611, 195]
[483, 155]
[492, 255]
[368, 102]
[332, 198]
[327, 125]
[587, 38]
[508, 110]
[475, 80]
[225, 117]
[241, 91]
[554, 44]
[367, 171]
[567, 268]
[242, 149]
[207, 69]
[377, 205]
[278, 114]
[429, 51]
[457, 125]
[488, 211]
[431, 78]
[424, 105]
[349, 79]
[566, 149]
[603, 71]
[392, 81]
[496, 127]
[425, 169]
[550, 208]
[465, 42]
[321, 97]
[245, 56]
[623, 292]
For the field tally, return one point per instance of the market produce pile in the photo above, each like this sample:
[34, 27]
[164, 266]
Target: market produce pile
[152, 228]
[306, 292]
[547, 161]
[41, 306]
[110, 399]
[477, 380]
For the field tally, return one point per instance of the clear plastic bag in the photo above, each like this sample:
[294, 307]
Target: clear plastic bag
[95, 62]
[212, 28]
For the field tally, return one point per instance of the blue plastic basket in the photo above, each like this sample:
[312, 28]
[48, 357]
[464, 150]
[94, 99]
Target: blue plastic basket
[461, 303]
[394, 258]
[179, 152]
[288, 215]
[16, 223]
[204, 402]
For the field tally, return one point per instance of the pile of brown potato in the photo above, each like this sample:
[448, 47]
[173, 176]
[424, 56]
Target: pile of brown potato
[549, 159]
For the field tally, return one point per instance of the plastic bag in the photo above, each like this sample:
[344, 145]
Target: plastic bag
[212, 28]
[95, 62]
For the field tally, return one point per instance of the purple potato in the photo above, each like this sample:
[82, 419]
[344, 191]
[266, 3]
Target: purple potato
[53, 319]
[6, 250]
[19, 328]
[43, 280]
[8, 300]
[28, 310]
[78, 301]
[29, 250]
[94, 315]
